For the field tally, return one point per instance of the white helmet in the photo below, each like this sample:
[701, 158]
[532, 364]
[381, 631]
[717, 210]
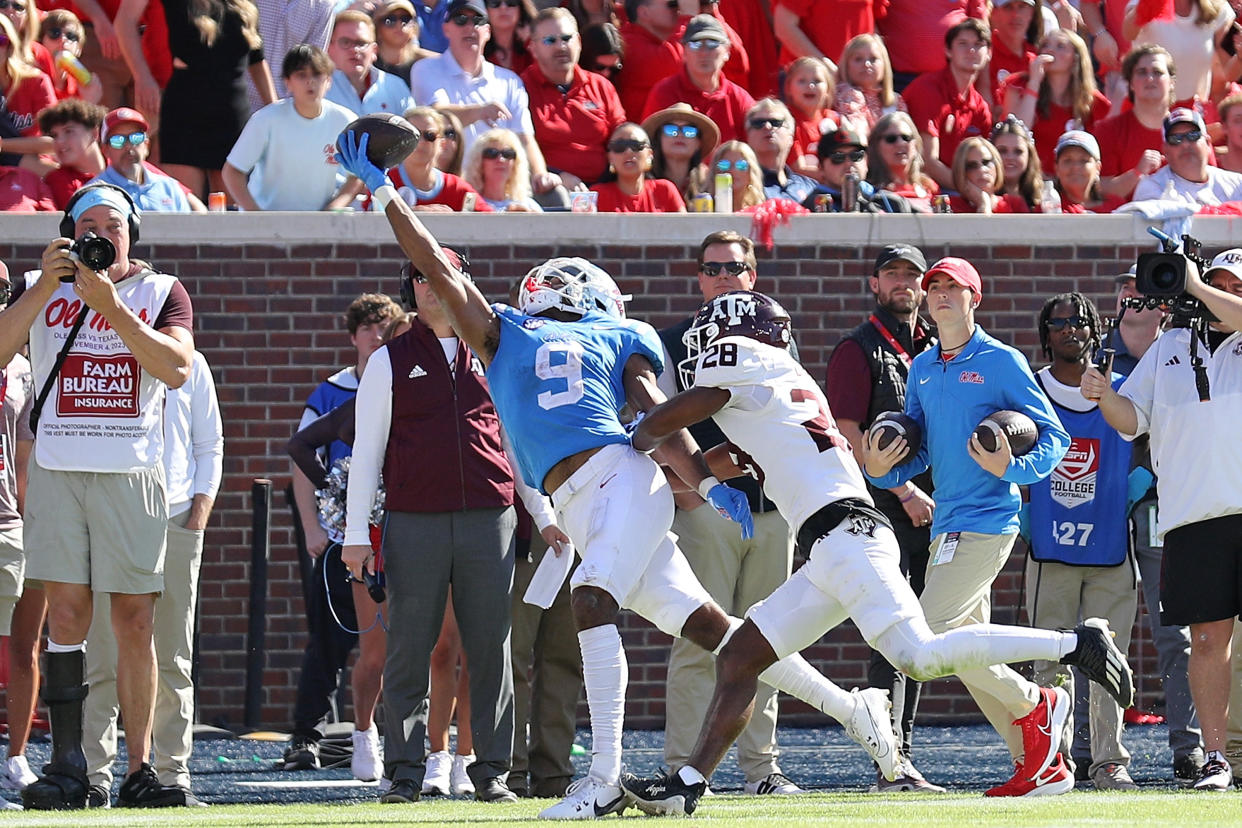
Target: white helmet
[571, 284]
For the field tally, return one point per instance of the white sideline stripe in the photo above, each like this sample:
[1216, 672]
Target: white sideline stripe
[309, 783]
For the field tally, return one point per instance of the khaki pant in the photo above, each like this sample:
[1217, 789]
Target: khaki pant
[172, 736]
[12, 574]
[737, 574]
[958, 593]
[1060, 596]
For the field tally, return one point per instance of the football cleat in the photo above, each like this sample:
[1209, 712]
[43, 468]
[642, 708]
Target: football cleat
[871, 725]
[589, 798]
[1100, 660]
[664, 795]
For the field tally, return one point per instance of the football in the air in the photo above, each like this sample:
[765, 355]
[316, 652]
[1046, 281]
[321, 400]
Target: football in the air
[392, 138]
[893, 424]
[1019, 428]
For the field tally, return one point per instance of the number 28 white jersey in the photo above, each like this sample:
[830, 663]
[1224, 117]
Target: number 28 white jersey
[778, 416]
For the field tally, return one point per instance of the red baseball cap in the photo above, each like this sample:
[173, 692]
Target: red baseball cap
[123, 115]
[959, 270]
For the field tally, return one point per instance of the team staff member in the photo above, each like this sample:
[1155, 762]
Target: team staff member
[97, 509]
[1200, 489]
[951, 388]
[425, 419]
[866, 377]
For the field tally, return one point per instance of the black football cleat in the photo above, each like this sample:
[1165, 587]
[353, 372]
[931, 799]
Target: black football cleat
[663, 796]
[1100, 660]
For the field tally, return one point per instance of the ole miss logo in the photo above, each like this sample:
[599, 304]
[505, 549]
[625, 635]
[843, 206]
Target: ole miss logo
[971, 376]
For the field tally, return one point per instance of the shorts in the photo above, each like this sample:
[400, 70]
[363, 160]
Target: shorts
[12, 574]
[854, 571]
[1201, 573]
[105, 530]
[618, 509]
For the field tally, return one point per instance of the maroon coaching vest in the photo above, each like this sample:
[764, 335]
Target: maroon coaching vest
[444, 450]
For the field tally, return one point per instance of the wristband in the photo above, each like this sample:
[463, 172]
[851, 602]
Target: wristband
[708, 483]
[1026, 90]
[384, 195]
[913, 491]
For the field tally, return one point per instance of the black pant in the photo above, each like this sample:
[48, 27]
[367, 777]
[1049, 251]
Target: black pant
[328, 647]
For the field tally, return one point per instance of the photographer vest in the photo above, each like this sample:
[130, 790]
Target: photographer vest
[104, 413]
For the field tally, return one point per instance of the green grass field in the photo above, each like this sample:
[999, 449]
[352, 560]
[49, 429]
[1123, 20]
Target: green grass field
[1079, 808]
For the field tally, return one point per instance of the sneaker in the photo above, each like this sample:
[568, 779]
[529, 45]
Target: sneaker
[590, 798]
[1100, 660]
[459, 779]
[401, 792]
[907, 780]
[1186, 768]
[871, 725]
[1113, 776]
[303, 754]
[98, 797]
[142, 789]
[1215, 775]
[773, 783]
[1055, 780]
[436, 777]
[367, 764]
[1041, 730]
[17, 772]
[664, 795]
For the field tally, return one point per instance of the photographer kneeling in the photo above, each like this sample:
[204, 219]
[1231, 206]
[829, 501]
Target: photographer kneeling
[103, 346]
[1194, 446]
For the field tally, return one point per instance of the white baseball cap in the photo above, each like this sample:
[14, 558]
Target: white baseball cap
[1230, 260]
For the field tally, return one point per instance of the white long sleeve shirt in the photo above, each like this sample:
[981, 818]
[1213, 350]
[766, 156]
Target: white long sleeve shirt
[193, 439]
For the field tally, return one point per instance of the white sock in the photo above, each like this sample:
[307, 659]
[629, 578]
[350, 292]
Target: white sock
[53, 647]
[1069, 643]
[793, 675]
[690, 775]
[734, 624]
[605, 674]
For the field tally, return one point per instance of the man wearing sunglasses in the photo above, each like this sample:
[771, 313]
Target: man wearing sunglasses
[574, 111]
[1081, 564]
[482, 94]
[736, 572]
[843, 152]
[701, 81]
[769, 132]
[125, 146]
[1188, 177]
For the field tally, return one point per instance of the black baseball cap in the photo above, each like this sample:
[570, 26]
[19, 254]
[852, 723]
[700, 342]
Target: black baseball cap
[901, 252]
[462, 5]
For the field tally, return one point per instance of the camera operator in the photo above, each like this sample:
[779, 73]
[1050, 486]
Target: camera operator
[96, 508]
[1199, 487]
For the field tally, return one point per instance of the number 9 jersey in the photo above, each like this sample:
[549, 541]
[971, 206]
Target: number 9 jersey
[778, 415]
[558, 386]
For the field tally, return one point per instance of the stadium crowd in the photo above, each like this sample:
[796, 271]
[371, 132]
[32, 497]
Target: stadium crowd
[112, 110]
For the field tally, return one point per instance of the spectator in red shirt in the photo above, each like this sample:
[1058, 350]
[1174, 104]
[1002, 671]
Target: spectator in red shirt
[1230, 156]
[1017, 25]
[977, 178]
[895, 161]
[749, 18]
[424, 187]
[652, 50]
[1021, 173]
[1078, 173]
[511, 22]
[915, 28]
[808, 92]
[73, 126]
[701, 81]
[1130, 142]
[25, 91]
[21, 191]
[820, 28]
[681, 139]
[864, 92]
[25, 19]
[1057, 93]
[573, 110]
[628, 189]
[603, 51]
[945, 105]
[62, 35]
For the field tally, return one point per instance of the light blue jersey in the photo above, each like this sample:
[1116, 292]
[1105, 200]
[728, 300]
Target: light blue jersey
[558, 385]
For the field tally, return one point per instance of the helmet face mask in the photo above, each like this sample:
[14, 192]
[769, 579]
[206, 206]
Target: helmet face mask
[736, 313]
[572, 285]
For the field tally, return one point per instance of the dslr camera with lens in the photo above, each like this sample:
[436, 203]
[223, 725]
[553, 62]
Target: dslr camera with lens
[96, 252]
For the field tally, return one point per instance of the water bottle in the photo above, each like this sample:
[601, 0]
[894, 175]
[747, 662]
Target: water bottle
[1050, 203]
[724, 193]
[849, 193]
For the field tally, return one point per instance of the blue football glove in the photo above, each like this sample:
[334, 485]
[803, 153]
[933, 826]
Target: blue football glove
[732, 504]
[352, 156]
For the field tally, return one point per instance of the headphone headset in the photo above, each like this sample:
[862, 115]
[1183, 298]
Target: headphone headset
[409, 275]
[67, 223]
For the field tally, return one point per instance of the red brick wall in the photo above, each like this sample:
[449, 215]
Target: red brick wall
[268, 318]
